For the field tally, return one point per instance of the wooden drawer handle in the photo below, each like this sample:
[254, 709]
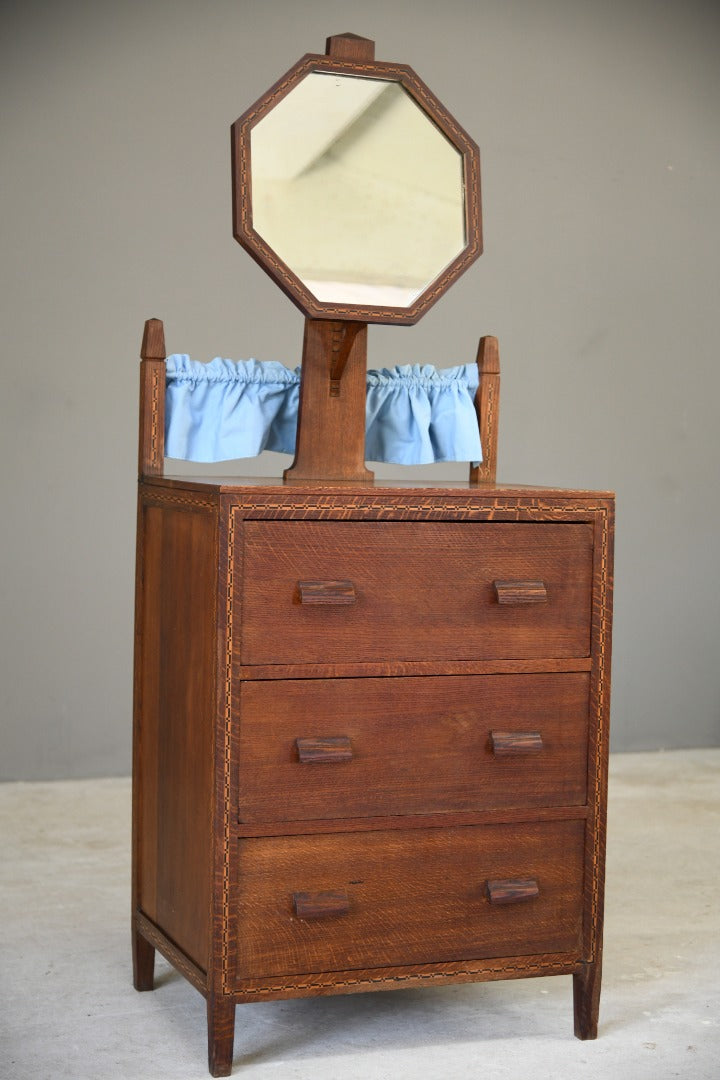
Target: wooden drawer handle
[510, 743]
[333, 748]
[320, 905]
[326, 592]
[512, 890]
[520, 592]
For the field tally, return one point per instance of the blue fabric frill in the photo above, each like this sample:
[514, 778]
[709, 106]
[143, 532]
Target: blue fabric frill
[415, 414]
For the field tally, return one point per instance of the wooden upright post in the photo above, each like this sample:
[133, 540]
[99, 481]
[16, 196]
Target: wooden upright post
[487, 404]
[151, 441]
[350, 47]
[331, 418]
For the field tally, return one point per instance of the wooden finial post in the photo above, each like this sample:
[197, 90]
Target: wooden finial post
[350, 47]
[151, 440]
[487, 405]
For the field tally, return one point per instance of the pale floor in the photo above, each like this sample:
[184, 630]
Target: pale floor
[68, 1008]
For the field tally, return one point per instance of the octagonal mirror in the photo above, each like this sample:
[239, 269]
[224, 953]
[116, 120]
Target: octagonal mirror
[356, 190]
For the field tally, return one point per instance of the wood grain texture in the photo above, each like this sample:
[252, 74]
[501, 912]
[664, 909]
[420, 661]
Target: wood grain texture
[405, 976]
[512, 743]
[408, 822]
[174, 763]
[350, 47]
[487, 406]
[582, 677]
[424, 591]
[342, 342]
[415, 897]
[326, 592]
[221, 1034]
[515, 593]
[151, 437]
[512, 504]
[420, 746]
[223, 813]
[392, 668]
[153, 340]
[320, 905]
[586, 985]
[512, 890]
[328, 750]
[586, 1000]
[155, 937]
[144, 760]
[250, 490]
[143, 955]
[330, 442]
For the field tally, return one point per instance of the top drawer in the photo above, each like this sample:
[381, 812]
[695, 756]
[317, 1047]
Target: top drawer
[419, 591]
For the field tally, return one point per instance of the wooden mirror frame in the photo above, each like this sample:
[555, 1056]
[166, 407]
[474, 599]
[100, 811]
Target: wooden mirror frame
[348, 54]
[330, 443]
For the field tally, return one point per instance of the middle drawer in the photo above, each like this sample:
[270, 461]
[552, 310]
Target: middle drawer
[324, 749]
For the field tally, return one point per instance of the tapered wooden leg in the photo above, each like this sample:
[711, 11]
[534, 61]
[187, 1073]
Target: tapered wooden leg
[221, 1033]
[586, 999]
[143, 954]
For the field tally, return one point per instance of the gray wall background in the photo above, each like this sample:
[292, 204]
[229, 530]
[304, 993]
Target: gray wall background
[598, 126]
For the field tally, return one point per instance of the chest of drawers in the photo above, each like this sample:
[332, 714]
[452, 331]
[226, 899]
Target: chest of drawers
[371, 732]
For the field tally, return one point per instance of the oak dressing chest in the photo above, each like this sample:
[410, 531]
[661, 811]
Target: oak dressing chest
[371, 720]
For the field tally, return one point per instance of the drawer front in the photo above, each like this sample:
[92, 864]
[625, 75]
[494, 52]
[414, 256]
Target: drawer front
[337, 748]
[344, 592]
[337, 902]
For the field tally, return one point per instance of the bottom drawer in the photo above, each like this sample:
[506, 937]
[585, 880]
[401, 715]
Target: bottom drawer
[339, 901]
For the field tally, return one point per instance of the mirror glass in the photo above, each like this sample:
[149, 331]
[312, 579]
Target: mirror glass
[357, 190]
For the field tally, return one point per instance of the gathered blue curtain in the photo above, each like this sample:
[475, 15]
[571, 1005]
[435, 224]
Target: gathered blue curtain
[416, 414]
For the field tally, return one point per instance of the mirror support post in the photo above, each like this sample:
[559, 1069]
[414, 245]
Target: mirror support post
[343, 339]
[330, 441]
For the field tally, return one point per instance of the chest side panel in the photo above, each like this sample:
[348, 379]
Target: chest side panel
[175, 711]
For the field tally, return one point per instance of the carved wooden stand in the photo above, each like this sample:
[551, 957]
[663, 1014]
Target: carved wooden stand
[331, 423]
[331, 417]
